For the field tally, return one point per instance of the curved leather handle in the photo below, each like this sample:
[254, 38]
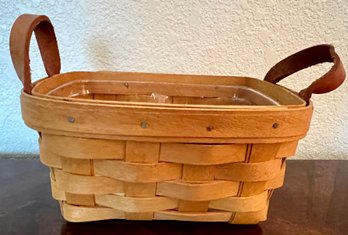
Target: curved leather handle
[20, 36]
[306, 58]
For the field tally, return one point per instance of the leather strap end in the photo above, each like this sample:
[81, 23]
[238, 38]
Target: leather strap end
[306, 58]
[20, 36]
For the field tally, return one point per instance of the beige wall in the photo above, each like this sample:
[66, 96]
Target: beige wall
[201, 37]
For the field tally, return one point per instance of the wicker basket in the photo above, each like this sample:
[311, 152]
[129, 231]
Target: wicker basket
[143, 146]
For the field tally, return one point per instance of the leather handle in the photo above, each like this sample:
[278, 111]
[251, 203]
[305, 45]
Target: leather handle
[20, 36]
[306, 58]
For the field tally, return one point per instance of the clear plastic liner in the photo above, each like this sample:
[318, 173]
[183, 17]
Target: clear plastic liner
[158, 98]
[193, 94]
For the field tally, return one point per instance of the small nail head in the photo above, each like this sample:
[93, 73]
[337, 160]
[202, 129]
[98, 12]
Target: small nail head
[275, 125]
[210, 128]
[71, 119]
[144, 124]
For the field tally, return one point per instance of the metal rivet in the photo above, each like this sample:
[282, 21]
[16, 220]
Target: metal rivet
[126, 84]
[144, 124]
[210, 128]
[275, 125]
[71, 119]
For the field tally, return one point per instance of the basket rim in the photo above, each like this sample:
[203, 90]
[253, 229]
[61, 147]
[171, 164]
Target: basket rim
[110, 119]
[164, 107]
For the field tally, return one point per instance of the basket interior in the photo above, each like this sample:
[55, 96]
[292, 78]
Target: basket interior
[163, 93]
[166, 89]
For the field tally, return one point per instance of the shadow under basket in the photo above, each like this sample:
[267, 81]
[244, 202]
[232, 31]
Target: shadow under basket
[143, 146]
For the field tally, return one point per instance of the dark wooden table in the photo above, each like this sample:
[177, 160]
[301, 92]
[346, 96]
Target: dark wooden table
[314, 200]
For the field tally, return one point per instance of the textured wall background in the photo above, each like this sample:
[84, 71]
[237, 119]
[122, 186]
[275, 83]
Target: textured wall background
[201, 37]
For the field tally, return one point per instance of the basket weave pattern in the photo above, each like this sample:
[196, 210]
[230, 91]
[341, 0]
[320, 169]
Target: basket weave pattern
[97, 179]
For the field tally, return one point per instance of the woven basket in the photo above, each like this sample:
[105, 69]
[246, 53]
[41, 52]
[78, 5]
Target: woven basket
[143, 146]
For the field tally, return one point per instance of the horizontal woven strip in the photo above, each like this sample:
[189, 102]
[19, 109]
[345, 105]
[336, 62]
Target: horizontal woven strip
[49, 159]
[249, 172]
[215, 216]
[143, 173]
[195, 154]
[278, 181]
[198, 192]
[201, 191]
[81, 184]
[83, 148]
[56, 192]
[84, 214]
[198, 154]
[132, 204]
[252, 217]
[137, 172]
[241, 204]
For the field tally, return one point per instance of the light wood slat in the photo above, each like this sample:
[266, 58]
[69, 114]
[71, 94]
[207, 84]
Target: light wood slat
[253, 217]
[199, 154]
[250, 172]
[142, 152]
[137, 172]
[193, 216]
[254, 188]
[263, 152]
[80, 199]
[111, 119]
[278, 181]
[78, 167]
[287, 149]
[241, 204]
[49, 159]
[83, 148]
[132, 204]
[140, 189]
[80, 184]
[56, 193]
[191, 206]
[197, 192]
[84, 214]
[258, 153]
[197, 173]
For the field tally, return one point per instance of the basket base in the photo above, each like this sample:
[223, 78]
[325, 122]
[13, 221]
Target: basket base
[72, 213]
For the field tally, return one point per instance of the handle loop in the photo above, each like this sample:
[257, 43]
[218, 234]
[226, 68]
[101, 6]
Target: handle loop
[20, 36]
[306, 58]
